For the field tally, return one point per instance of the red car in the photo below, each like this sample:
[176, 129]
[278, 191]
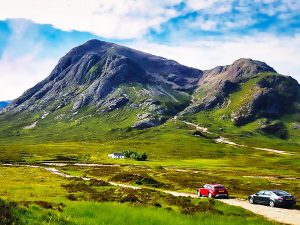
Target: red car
[213, 191]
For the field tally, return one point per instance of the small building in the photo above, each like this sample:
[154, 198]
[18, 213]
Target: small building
[116, 155]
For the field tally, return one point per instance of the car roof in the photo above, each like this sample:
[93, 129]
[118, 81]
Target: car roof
[279, 190]
[215, 185]
[272, 190]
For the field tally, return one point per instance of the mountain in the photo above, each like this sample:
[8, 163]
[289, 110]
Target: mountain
[106, 87]
[271, 96]
[107, 76]
[4, 104]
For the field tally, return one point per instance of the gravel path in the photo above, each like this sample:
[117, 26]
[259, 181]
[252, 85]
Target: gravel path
[287, 216]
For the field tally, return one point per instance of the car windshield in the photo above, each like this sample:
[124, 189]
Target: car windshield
[219, 187]
[280, 193]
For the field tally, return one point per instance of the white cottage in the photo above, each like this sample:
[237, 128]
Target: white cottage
[116, 155]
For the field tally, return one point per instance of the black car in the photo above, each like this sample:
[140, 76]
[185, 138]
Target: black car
[272, 198]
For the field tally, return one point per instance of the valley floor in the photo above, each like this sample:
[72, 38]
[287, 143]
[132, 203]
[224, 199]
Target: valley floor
[66, 178]
[106, 173]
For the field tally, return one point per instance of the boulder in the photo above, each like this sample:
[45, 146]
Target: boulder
[148, 122]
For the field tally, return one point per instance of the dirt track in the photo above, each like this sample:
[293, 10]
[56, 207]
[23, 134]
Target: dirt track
[229, 142]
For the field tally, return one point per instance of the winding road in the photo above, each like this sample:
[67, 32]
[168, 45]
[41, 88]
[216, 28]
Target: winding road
[229, 142]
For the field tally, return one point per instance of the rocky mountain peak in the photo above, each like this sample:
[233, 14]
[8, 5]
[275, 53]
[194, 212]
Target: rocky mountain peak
[216, 84]
[240, 70]
[97, 74]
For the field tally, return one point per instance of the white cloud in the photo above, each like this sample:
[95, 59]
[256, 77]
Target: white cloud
[215, 6]
[19, 74]
[21, 66]
[282, 53]
[106, 18]
[129, 19]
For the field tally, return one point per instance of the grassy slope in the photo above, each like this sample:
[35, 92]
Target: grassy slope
[90, 136]
[248, 134]
[171, 144]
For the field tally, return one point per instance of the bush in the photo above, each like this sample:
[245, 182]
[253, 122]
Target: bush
[6, 213]
[130, 198]
[127, 154]
[135, 155]
[72, 197]
[137, 179]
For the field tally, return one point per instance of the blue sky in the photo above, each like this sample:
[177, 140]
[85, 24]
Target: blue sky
[199, 33]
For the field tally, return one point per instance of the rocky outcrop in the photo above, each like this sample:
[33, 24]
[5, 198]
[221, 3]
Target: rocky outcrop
[114, 103]
[148, 122]
[273, 97]
[216, 84]
[240, 71]
[275, 128]
[296, 125]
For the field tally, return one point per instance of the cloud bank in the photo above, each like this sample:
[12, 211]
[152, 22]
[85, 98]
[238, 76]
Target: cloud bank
[199, 33]
[126, 19]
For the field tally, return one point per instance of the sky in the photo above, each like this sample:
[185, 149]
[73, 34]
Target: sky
[204, 34]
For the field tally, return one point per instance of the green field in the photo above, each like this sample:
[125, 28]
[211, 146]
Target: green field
[48, 202]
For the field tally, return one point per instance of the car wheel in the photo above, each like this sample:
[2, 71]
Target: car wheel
[251, 200]
[199, 194]
[209, 195]
[272, 204]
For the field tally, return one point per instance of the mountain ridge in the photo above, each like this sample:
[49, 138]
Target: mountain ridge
[108, 77]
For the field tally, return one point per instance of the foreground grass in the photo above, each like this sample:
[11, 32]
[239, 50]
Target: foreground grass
[90, 213]
[111, 213]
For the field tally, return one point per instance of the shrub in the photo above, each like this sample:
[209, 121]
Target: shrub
[6, 213]
[143, 179]
[72, 197]
[135, 155]
[128, 153]
[94, 182]
[130, 198]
